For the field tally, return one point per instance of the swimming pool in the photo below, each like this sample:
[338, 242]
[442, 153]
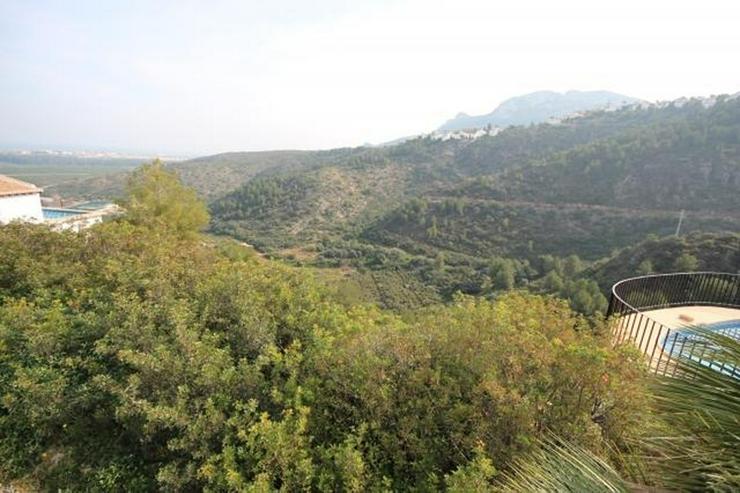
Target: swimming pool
[688, 344]
[730, 328]
[50, 213]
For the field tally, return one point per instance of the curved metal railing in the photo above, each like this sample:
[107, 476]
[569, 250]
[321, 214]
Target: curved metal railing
[631, 298]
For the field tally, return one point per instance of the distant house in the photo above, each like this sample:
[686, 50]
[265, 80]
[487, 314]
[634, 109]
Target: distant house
[19, 201]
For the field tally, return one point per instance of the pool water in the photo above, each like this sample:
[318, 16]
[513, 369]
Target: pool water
[730, 328]
[689, 344]
[60, 213]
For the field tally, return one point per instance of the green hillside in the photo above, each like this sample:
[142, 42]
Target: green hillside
[704, 252]
[445, 214]
[413, 223]
[507, 228]
[692, 163]
[661, 160]
[211, 176]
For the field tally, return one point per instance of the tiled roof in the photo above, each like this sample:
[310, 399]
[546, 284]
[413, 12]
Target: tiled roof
[11, 186]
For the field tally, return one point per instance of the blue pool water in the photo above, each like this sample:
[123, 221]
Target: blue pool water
[729, 328]
[685, 343]
[59, 213]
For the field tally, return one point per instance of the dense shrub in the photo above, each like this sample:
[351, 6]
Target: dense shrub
[138, 359]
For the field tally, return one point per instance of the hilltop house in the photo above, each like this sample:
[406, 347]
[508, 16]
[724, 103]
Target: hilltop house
[19, 201]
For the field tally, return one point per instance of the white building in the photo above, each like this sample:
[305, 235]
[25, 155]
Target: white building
[19, 201]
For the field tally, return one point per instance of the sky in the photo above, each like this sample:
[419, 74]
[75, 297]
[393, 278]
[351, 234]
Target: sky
[193, 78]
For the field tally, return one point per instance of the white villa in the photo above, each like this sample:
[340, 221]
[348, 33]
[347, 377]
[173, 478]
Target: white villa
[21, 201]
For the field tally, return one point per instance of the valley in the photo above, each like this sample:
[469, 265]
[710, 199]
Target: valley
[411, 224]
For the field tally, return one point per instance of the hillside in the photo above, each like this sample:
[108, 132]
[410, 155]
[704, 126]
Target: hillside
[688, 163]
[432, 216]
[528, 229]
[585, 186]
[539, 107]
[445, 214]
[212, 176]
[573, 162]
[704, 252]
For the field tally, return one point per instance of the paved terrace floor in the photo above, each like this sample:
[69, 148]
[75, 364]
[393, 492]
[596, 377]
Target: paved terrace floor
[650, 332]
[693, 315]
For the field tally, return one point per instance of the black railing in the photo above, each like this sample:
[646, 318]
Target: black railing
[631, 298]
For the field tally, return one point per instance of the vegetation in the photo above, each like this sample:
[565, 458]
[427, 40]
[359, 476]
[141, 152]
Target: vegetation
[691, 445]
[140, 355]
[702, 408]
[704, 252]
[443, 214]
[561, 466]
[157, 199]
[631, 169]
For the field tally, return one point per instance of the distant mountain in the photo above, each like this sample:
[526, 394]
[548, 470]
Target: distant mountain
[539, 107]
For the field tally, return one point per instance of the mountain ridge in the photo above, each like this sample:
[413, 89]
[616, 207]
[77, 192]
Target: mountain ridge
[539, 107]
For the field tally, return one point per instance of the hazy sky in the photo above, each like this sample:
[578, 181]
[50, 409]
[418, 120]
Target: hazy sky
[203, 77]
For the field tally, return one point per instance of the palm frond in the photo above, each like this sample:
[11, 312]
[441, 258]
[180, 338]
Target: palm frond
[559, 466]
[698, 447]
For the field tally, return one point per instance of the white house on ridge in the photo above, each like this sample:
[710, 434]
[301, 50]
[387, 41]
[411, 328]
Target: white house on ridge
[19, 201]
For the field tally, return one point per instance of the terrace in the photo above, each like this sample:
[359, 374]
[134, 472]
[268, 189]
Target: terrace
[655, 312]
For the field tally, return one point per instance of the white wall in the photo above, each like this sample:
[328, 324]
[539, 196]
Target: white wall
[25, 207]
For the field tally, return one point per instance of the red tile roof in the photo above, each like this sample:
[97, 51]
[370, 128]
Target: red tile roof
[11, 186]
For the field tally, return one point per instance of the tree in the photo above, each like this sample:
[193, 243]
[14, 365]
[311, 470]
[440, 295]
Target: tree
[433, 231]
[552, 282]
[550, 263]
[645, 268]
[439, 261]
[156, 198]
[505, 276]
[503, 273]
[582, 301]
[572, 265]
[686, 263]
